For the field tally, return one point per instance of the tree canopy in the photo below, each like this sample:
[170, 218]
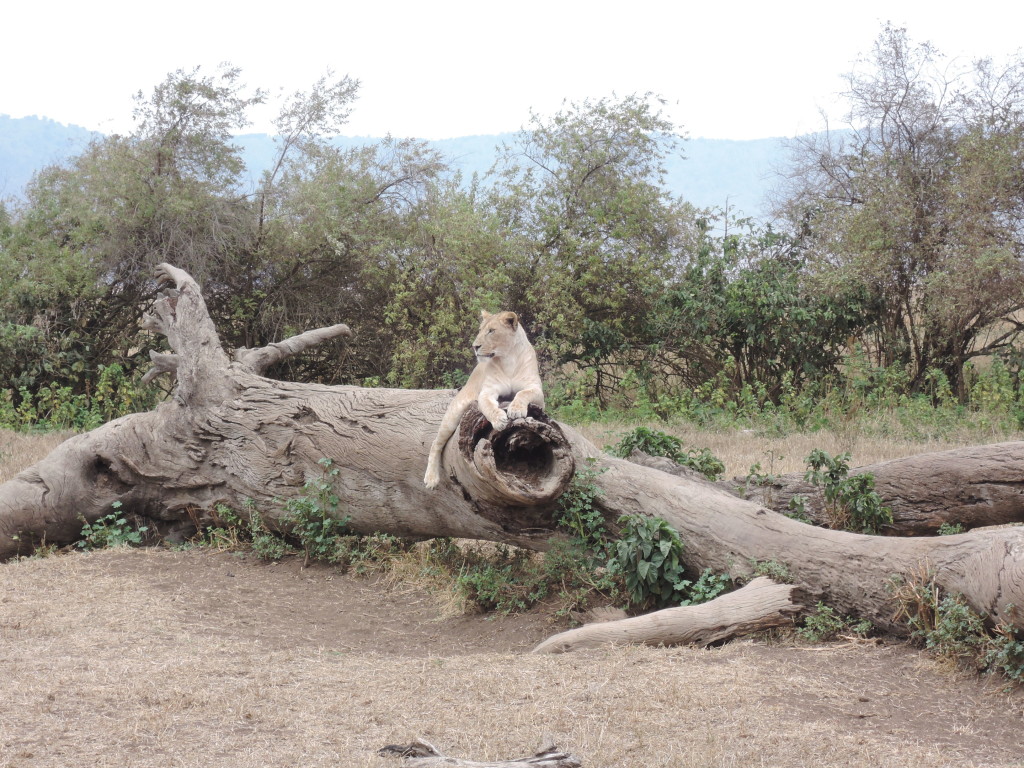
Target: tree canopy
[898, 246]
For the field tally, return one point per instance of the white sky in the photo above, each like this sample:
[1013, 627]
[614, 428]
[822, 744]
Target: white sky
[737, 69]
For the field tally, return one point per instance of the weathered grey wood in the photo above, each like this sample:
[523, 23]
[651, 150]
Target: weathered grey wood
[976, 486]
[421, 754]
[761, 604]
[852, 572]
[261, 358]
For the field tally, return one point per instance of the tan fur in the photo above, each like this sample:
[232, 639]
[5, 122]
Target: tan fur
[506, 367]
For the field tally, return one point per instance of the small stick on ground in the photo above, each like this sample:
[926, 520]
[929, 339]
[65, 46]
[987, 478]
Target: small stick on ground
[420, 754]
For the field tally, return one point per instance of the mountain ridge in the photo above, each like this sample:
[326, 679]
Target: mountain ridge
[711, 173]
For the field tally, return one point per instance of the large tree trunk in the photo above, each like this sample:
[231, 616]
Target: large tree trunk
[230, 436]
[973, 487]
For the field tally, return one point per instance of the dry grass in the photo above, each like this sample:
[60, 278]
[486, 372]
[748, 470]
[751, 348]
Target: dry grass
[108, 663]
[19, 450]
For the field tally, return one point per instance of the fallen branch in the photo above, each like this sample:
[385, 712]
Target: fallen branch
[761, 604]
[420, 754]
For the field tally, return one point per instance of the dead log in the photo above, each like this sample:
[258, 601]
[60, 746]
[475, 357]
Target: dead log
[421, 754]
[973, 487]
[231, 436]
[761, 604]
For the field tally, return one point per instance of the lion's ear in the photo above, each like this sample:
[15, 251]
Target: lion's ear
[511, 319]
[484, 314]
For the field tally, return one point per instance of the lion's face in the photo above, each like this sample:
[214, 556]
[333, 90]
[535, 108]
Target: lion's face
[498, 335]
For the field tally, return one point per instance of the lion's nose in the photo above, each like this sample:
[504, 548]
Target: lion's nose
[476, 347]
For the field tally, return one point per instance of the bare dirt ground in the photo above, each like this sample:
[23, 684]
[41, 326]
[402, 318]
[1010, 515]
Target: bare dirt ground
[161, 658]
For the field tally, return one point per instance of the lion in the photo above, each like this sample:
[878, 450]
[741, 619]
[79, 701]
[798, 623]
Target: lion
[506, 368]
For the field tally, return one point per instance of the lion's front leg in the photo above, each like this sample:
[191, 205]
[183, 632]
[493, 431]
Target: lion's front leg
[450, 422]
[520, 404]
[488, 405]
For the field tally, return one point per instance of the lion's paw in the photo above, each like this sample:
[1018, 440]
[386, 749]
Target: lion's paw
[432, 478]
[516, 411]
[500, 422]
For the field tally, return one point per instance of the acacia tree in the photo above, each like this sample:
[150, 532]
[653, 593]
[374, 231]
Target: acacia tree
[921, 200]
[595, 229]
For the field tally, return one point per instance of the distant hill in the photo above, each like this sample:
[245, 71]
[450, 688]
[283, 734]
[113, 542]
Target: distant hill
[30, 143]
[712, 173]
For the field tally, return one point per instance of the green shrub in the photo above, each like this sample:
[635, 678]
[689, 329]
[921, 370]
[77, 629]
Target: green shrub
[826, 624]
[313, 516]
[948, 627]
[578, 512]
[111, 530]
[657, 443]
[647, 554]
[851, 503]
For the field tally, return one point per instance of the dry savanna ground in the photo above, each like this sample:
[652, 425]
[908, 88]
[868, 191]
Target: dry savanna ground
[195, 658]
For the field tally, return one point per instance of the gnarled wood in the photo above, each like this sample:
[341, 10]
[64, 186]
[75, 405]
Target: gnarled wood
[259, 359]
[761, 604]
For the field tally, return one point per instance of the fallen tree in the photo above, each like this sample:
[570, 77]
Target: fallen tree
[231, 436]
[971, 487]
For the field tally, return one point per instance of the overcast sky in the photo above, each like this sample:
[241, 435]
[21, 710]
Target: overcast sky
[728, 70]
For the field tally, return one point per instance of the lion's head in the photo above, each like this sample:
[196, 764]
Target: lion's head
[500, 335]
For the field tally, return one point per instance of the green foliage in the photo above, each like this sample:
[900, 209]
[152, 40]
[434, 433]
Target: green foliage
[826, 624]
[657, 443]
[798, 508]
[313, 517]
[635, 300]
[365, 553]
[645, 556]
[111, 530]
[708, 586]
[1005, 653]
[578, 511]
[510, 580]
[247, 531]
[914, 205]
[648, 555]
[773, 569]
[947, 626]
[850, 502]
[950, 529]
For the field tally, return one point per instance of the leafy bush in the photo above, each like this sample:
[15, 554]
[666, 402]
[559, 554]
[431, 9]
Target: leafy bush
[826, 624]
[577, 510]
[111, 530]
[947, 626]
[313, 517]
[647, 554]
[850, 502]
[657, 443]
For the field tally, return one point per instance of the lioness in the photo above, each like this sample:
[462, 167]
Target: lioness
[506, 367]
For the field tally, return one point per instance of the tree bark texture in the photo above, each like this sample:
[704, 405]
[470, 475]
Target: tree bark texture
[761, 604]
[976, 486]
[230, 436]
